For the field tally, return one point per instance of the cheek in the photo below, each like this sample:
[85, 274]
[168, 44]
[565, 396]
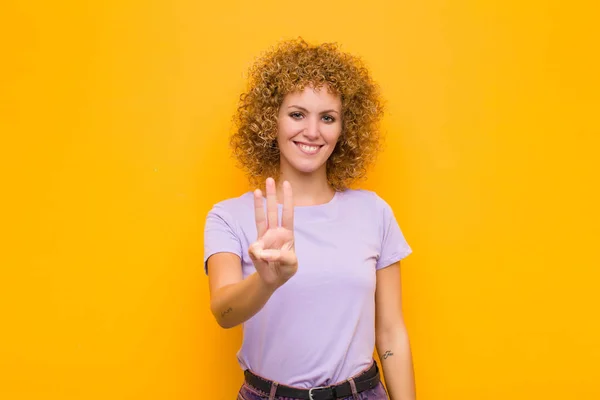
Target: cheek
[286, 128]
[332, 133]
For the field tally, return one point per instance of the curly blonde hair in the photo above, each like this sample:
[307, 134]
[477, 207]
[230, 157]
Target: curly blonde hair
[289, 67]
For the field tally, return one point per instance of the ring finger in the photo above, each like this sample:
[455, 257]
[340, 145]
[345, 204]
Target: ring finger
[272, 212]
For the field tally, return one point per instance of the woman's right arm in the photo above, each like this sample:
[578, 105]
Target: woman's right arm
[234, 300]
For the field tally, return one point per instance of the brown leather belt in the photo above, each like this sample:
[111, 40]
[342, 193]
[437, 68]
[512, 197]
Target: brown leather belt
[365, 381]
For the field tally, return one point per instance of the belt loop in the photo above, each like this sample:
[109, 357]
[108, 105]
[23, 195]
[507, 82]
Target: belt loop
[273, 391]
[353, 387]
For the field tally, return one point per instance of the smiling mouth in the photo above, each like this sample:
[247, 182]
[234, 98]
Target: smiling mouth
[309, 149]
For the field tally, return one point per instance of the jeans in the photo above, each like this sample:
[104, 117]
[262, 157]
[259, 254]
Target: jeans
[248, 392]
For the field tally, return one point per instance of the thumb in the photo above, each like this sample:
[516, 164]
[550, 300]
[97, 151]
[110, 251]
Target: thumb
[288, 257]
[255, 249]
[284, 257]
[269, 254]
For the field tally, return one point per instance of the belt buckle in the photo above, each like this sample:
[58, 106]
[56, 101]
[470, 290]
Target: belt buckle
[310, 391]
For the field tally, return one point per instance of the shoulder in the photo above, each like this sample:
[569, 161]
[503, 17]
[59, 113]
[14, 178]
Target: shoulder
[233, 207]
[366, 198]
[370, 206]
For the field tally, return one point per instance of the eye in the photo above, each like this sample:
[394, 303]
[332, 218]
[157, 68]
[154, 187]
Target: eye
[296, 115]
[328, 118]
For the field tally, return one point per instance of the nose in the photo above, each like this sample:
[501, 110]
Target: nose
[312, 129]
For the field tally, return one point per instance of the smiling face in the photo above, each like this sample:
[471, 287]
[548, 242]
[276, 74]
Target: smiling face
[309, 125]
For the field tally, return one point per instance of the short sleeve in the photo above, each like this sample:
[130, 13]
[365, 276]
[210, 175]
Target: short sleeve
[394, 246]
[220, 234]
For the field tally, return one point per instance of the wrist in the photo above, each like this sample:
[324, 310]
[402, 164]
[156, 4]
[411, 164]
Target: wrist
[265, 288]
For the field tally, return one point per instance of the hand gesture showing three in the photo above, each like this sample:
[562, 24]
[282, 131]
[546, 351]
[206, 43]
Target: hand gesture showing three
[273, 253]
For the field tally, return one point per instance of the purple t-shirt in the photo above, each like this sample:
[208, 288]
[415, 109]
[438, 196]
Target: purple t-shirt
[319, 327]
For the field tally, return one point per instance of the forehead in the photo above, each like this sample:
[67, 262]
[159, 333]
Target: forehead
[313, 97]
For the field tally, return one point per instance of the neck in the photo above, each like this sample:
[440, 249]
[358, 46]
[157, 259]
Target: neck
[308, 189]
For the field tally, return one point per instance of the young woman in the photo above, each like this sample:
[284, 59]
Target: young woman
[313, 276]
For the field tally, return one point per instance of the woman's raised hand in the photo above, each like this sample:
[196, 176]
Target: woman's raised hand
[273, 253]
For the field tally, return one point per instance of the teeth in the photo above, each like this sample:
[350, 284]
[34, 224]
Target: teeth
[308, 148]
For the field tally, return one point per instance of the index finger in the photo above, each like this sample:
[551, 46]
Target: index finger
[287, 215]
[259, 214]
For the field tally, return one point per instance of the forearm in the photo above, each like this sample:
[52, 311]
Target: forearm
[396, 359]
[236, 303]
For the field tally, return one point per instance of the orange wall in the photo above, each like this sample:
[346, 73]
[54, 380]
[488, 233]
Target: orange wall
[114, 118]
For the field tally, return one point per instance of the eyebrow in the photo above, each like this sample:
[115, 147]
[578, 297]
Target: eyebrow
[322, 112]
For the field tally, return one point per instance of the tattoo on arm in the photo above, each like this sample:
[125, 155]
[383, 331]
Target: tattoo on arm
[387, 354]
[224, 313]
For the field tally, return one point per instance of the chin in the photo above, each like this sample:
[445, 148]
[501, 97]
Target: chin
[306, 168]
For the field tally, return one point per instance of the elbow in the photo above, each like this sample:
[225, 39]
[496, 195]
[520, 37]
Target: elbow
[390, 334]
[225, 324]
[223, 318]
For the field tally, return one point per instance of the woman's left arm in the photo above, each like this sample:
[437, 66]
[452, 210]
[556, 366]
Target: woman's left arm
[393, 345]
